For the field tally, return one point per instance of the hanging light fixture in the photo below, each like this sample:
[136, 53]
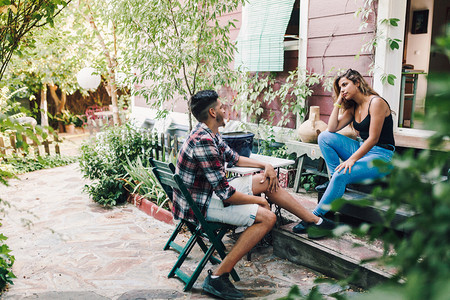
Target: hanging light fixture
[87, 79]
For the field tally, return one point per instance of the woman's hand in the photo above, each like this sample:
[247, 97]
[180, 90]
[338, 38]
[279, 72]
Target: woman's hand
[271, 175]
[340, 98]
[348, 164]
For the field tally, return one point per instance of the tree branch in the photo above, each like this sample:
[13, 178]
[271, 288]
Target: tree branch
[112, 64]
[179, 47]
[198, 50]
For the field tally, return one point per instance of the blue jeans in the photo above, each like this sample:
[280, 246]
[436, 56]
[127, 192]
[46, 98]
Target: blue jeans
[334, 147]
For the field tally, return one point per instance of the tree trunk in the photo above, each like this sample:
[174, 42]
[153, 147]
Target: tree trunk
[188, 101]
[62, 105]
[115, 108]
[52, 88]
[112, 64]
[43, 107]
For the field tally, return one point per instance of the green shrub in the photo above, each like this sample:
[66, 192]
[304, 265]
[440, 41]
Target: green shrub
[143, 182]
[107, 191]
[27, 164]
[103, 160]
[6, 263]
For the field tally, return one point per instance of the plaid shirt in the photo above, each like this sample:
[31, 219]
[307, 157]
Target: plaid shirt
[201, 166]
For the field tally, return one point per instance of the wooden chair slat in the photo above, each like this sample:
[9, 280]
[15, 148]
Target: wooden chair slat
[214, 232]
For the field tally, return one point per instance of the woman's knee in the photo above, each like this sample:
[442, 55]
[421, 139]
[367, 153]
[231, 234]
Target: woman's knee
[324, 136]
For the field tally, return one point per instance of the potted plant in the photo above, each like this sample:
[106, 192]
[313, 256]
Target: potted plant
[68, 119]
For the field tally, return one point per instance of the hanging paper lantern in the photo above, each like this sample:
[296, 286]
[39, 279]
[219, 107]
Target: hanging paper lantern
[87, 79]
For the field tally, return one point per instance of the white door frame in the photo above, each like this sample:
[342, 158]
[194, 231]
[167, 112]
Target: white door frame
[389, 61]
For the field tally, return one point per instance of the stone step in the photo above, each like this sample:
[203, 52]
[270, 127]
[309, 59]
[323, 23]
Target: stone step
[376, 212]
[335, 257]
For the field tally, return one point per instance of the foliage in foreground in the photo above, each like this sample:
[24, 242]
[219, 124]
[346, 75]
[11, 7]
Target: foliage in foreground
[103, 160]
[6, 263]
[419, 180]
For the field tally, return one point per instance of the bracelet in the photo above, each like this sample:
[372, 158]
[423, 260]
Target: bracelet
[337, 105]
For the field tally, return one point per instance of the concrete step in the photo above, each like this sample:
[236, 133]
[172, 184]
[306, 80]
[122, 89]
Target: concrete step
[339, 258]
[376, 212]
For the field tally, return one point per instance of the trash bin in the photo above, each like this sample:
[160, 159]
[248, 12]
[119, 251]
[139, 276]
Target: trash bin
[181, 131]
[239, 141]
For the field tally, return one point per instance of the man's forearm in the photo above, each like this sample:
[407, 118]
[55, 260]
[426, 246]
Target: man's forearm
[249, 162]
[241, 198]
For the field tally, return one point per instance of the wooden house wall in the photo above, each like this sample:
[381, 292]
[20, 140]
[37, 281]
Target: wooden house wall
[334, 41]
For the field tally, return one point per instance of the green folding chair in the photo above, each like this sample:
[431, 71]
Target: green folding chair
[202, 231]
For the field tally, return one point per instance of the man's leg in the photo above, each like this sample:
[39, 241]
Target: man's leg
[264, 222]
[283, 199]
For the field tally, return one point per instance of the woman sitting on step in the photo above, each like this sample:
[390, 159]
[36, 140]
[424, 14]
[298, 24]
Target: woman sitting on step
[371, 116]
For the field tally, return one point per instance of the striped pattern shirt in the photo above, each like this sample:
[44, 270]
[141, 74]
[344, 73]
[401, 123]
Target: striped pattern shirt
[201, 166]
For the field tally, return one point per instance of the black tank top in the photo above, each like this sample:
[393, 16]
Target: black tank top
[387, 132]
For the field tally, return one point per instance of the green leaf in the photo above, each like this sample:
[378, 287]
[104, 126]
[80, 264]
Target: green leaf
[391, 79]
[394, 22]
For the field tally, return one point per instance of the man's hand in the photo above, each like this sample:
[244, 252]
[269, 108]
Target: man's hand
[264, 203]
[271, 175]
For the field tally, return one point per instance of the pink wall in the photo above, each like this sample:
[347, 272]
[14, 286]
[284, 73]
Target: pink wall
[334, 40]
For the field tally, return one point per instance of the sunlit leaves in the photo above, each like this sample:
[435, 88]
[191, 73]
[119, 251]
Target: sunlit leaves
[177, 47]
[17, 18]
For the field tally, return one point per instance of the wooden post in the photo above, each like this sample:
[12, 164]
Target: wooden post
[25, 145]
[163, 147]
[46, 146]
[36, 149]
[150, 136]
[155, 145]
[12, 140]
[2, 146]
[175, 145]
[57, 150]
[57, 141]
[169, 144]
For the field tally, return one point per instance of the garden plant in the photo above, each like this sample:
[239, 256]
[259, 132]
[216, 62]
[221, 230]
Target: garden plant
[104, 160]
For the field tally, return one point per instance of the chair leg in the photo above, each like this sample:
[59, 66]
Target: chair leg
[186, 250]
[174, 235]
[204, 248]
[201, 265]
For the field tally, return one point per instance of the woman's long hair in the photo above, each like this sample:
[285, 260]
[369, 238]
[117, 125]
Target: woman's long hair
[355, 77]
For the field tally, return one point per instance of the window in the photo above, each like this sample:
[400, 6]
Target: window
[260, 44]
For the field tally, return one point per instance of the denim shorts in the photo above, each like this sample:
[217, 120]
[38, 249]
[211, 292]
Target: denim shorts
[239, 215]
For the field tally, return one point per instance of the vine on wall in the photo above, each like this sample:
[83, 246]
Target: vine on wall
[365, 12]
[254, 91]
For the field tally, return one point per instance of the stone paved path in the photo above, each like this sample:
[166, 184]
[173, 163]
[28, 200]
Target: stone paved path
[67, 247]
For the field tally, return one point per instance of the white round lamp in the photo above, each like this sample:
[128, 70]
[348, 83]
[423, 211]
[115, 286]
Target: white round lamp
[87, 80]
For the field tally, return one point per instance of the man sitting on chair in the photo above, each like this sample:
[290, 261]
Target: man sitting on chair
[201, 166]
